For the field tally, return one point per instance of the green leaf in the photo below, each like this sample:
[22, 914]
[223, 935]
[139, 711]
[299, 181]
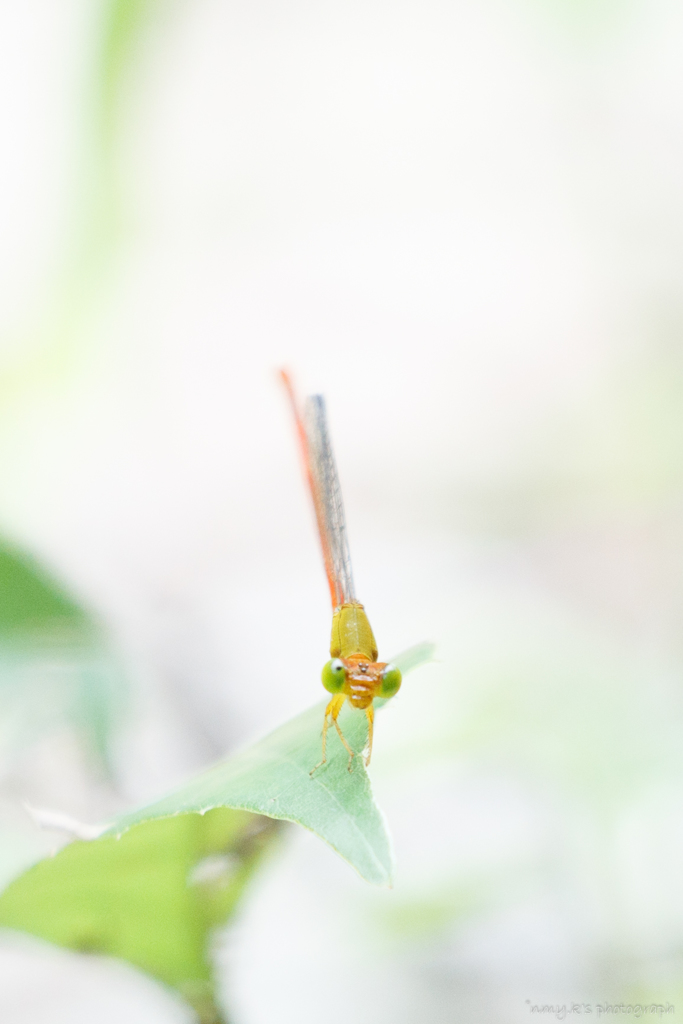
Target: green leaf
[273, 777]
[132, 893]
[152, 898]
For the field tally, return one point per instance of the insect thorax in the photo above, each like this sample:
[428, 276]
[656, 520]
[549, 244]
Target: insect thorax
[352, 633]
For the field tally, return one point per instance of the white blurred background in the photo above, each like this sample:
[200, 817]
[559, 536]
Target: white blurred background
[463, 223]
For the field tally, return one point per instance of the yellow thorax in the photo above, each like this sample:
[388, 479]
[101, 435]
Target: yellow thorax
[352, 633]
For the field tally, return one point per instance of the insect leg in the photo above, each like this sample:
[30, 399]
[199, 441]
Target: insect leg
[335, 707]
[370, 715]
[331, 712]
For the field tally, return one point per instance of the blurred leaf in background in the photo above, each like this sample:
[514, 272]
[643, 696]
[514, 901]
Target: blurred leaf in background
[97, 220]
[153, 897]
[55, 665]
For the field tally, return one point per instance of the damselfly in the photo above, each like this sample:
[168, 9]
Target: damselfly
[353, 673]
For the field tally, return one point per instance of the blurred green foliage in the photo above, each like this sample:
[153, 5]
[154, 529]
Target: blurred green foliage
[124, 21]
[56, 667]
[97, 225]
[33, 606]
[152, 897]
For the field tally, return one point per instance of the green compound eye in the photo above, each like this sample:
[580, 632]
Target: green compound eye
[391, 682]
[334, 676]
